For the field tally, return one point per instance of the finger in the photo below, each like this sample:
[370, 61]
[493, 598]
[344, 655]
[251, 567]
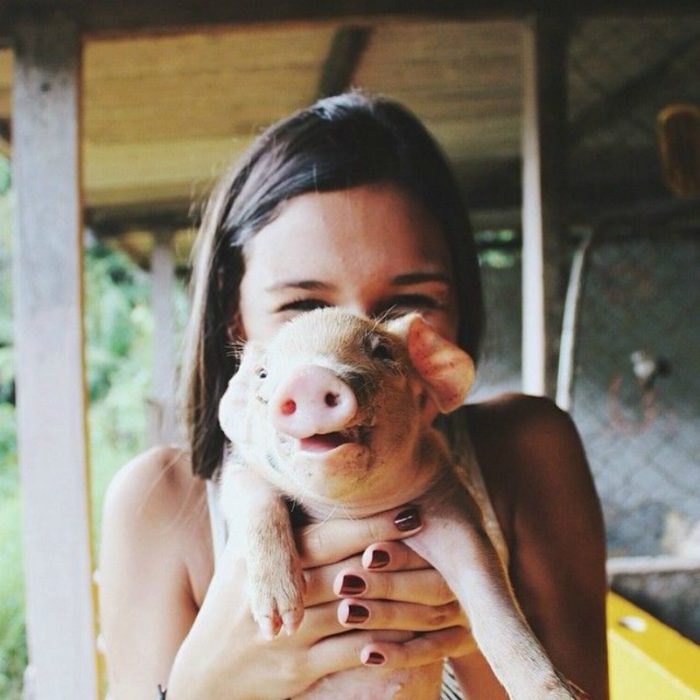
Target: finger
[319, 581]
[424, 586]
[328, 619]
[419, 651]
[334, 540]
[379, 614]
[343, 651]
[392, 556]
[319, 621]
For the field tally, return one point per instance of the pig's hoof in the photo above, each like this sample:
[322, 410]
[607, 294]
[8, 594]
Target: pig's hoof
[269, 626]
[278, 608]
[276, 592]
[291, 619]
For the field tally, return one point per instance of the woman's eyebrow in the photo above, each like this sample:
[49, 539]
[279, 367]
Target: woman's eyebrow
[418, 277]
[299, 284]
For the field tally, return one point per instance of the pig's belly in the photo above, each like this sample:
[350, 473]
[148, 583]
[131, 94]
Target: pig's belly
[422, 683]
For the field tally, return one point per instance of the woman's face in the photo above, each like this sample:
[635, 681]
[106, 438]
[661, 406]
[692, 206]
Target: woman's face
[370, 249]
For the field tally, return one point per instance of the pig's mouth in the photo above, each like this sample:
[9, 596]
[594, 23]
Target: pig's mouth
[324, 442]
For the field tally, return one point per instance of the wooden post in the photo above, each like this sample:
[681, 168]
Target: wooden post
[544, 183]
[48, 306]
[163, 419]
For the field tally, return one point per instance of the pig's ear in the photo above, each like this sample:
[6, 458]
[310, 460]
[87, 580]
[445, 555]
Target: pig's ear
[446, 370]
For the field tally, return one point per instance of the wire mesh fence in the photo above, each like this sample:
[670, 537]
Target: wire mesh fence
[637, 381]
[637, 378]
[636, 389]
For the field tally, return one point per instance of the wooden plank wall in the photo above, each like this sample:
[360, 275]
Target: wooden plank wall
[50, 362]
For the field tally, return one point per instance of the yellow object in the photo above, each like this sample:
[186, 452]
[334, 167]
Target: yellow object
[648, 660]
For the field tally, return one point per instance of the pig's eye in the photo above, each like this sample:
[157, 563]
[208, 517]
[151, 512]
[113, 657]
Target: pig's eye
[261, 372]
[379, 349]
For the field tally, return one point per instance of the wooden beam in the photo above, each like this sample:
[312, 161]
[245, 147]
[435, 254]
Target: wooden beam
[141, 173]
[594, 181]
[627, 97]
[48, 312]
[346, 51]
[544, 175]
[128, 16]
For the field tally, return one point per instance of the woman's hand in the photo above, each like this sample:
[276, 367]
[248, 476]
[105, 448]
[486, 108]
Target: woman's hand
[386, 595]
[392, 587]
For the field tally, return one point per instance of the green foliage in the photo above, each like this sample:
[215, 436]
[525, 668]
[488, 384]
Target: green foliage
[13, 652]
[5, 175]
[118, 331]
[8, 447]
[499, 248]
[116, 316]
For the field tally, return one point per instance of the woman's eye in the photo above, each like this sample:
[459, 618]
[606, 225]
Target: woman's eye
[303, 305]
[261, 372]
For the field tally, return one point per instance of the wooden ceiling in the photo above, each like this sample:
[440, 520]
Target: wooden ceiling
[164, 113]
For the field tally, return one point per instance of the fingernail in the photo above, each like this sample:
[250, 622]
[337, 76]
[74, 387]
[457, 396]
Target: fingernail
[375, 659]
[352, 585]
[356, 614]
[408, 519]
[379, 559]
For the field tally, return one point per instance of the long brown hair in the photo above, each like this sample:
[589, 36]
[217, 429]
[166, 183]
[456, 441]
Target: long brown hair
[337, 143]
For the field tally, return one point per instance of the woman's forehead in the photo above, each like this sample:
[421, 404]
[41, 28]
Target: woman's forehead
[377, 224]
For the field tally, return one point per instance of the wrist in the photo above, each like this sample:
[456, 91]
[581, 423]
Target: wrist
[187, 680]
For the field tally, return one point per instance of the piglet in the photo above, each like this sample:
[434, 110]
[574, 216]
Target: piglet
[336, 413]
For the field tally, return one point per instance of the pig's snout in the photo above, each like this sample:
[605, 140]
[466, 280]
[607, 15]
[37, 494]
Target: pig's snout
[313, 400]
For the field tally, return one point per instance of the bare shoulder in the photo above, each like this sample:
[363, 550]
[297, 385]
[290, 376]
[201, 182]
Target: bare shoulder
[155, 516]
[525, 418]
[525, 439]
[152, 488]
[535, 467]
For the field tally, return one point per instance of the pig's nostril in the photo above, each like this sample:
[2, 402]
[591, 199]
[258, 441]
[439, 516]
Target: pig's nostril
[332, 399]
[288, 407]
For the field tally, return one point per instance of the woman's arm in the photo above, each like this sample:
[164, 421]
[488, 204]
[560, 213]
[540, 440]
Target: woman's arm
[558, 568]
[537, 473]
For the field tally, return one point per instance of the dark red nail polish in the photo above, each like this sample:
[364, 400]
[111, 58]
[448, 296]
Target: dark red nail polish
[379, 559]
[352, 585]
[408, 519]
[356, 614]
[375, 659]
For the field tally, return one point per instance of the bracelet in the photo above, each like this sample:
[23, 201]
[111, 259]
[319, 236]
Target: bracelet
[161, 692]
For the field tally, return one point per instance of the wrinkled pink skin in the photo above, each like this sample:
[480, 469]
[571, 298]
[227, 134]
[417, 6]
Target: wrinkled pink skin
[336, 413]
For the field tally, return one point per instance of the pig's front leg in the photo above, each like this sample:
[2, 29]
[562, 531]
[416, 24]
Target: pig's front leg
[455, 542]
[257, 516]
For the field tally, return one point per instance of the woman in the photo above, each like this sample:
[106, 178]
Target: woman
[347, 203]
